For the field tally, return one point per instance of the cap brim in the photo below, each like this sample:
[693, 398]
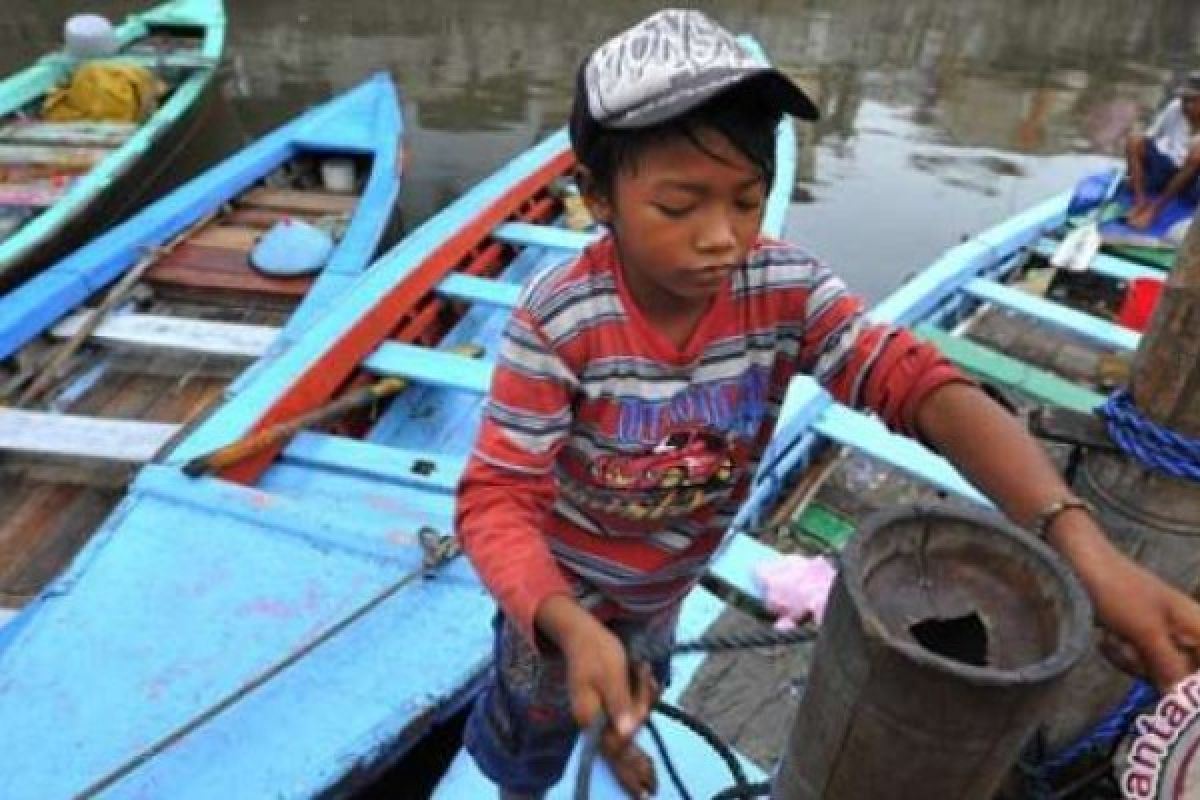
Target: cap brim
[775, 87]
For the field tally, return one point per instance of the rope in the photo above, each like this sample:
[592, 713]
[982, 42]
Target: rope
[1100, 739]
[1154, 446]
[653, 651]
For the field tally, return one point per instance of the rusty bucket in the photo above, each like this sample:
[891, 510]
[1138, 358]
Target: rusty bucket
[944, 640]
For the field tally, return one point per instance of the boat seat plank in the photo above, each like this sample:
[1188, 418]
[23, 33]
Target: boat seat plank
[990, 365]
[1084, 325]
[480, 290]
[432, 367]
[215, 268]
[71, 158]
[1106, 264]
[70, 134]
[175, 333]
[33, 195]
[231, 237]
[522, 234]
[263, 219]
[298, 200]
[733, 566]
[868, 435]
[374, 461]
[49, 434]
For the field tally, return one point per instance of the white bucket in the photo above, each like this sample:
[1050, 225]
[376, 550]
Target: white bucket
[89, 36]
[337, 174]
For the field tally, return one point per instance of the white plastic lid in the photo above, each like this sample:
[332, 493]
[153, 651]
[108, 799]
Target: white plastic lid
[89, 36]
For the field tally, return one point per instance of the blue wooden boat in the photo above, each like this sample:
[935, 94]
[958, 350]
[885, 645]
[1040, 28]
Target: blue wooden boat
[187, 313]
[62, 182]
[291, 625]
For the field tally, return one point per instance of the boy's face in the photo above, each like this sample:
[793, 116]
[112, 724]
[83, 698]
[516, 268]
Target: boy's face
[683, 220]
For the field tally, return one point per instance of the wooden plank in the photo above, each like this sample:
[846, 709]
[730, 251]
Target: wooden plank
[299, 200]
[480, 290]
[33, 195]
[262, 219]
[44, 433]
[79, 134]
[1105, 264]
[220, 270]
[1086, 326]
[68, 158]
[868, 435]
[375, 462]
[522, 234]
[733, 566]
[229, 237]
[175, 333]
[431, 367]
[998, 368]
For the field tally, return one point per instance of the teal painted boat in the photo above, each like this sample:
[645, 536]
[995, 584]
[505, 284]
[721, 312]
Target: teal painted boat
[106, 354]
[65, 181]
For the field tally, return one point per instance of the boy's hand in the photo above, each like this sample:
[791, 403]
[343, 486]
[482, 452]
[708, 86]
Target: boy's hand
[1156, 627]
[598, 676]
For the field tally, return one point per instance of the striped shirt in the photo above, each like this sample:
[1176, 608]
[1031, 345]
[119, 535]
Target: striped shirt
[610, 462]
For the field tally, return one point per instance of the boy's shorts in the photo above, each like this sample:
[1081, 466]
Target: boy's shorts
[520, 731]
[1160, 169]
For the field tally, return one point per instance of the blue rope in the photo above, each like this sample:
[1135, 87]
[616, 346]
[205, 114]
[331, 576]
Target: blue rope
[1152, 445]
[1099, 740]
[1107, 731]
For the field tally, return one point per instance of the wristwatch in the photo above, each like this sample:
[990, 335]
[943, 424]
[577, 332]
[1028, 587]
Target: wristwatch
[1045, 518]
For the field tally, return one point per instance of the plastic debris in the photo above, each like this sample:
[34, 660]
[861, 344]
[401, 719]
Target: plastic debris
[292, 247]
[796, 588]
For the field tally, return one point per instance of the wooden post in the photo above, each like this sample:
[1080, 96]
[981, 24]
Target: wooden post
[1166, 370]
[1152, 517]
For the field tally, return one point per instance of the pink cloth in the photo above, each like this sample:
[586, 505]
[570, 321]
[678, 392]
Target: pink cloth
[797, 588]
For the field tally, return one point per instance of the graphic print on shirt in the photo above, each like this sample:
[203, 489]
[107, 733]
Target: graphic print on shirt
[697, 440]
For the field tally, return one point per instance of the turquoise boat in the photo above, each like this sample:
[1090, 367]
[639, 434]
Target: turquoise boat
[106, 354]
[74, 179]
[295, 623]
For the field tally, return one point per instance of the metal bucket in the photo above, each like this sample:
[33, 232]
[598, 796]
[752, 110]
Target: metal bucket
[944, 640]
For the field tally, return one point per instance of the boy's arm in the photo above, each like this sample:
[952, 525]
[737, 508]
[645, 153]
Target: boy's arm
[507, 491]
[505, 499]
[996, 454]
[916, 391]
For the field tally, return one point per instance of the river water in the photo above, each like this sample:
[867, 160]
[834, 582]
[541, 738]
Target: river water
[940, 118]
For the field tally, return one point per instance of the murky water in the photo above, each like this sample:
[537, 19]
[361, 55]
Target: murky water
[940, 117]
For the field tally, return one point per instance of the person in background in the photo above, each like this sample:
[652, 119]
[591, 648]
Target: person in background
[1163, 161]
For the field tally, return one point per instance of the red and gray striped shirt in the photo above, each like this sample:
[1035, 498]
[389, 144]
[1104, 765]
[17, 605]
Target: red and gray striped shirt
[610, 462]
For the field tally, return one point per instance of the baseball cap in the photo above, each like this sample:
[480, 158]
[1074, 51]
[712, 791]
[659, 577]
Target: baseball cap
[666, 65]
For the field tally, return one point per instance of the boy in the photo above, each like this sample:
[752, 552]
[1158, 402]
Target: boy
[638, 384]
[1165, 160]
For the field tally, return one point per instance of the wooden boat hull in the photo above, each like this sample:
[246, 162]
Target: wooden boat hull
[256, 632]
[143, 375]
[148, 163]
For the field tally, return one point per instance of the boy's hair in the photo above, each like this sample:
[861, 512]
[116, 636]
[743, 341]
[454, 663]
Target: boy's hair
[741, 115]
[671, 75]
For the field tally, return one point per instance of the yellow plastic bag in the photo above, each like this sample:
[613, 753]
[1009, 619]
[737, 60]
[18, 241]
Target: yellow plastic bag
[105, 91]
